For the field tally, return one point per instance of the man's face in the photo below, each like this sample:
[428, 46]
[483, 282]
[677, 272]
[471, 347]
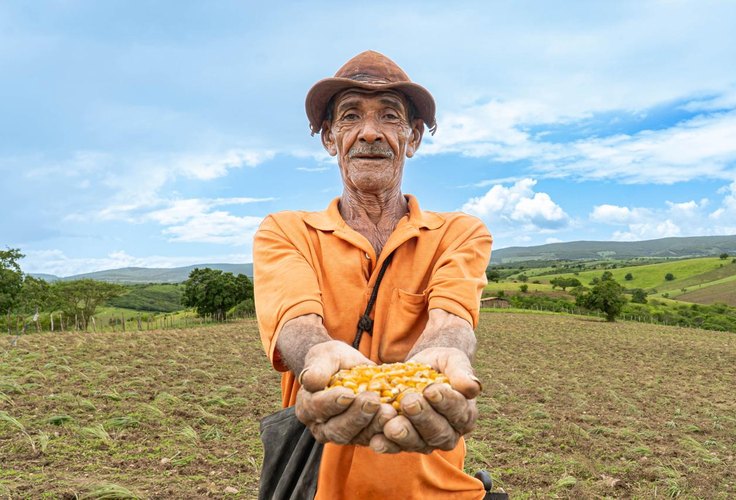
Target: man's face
[371, 135]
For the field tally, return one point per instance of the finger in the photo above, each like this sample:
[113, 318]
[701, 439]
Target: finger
[433, 428]
[325, 359]
[385, 413]
[381, 444]
[401, 431]
[461, 413]
[342, 428]
[320, 406]
[460, 374]
[455, 365]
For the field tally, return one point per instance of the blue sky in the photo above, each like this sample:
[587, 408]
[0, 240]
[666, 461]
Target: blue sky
[159, 134]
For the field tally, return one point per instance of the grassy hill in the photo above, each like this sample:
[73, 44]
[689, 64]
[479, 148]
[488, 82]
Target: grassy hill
[696, 246]
[155, 297]
[571, 408]
[152, 275]
[687, 272]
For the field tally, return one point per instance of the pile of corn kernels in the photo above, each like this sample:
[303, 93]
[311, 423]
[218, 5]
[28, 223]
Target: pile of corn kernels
[392, 381]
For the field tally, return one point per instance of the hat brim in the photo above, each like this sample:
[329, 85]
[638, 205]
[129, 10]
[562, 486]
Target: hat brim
[320, 94]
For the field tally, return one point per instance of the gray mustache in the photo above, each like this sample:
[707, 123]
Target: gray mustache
[370, 149]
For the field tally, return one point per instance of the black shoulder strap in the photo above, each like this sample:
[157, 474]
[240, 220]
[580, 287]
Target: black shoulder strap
[365, 324]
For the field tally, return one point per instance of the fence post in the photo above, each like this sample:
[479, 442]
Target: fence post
[122, 318]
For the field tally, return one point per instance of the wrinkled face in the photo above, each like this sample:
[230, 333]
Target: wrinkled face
[371, 135]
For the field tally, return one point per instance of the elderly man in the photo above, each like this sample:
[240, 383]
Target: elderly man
[314, 274]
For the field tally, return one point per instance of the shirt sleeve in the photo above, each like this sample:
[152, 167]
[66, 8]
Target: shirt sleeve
[285, 285]
[459, 275]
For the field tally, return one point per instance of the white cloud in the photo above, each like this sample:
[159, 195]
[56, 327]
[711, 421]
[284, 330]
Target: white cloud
[194, 220]
[517, 207]
[689, 218]
[212, 166]
[56, 262]
[215, 227]
[701, 147]
[313, 169]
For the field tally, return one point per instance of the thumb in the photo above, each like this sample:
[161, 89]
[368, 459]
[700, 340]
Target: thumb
[455, 365]
[324, 360]
[461, 376]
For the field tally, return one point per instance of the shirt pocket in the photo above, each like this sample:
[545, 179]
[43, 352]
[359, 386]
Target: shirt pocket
[405, 321]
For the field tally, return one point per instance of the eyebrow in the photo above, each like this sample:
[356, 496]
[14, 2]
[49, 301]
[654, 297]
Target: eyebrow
[390, 101]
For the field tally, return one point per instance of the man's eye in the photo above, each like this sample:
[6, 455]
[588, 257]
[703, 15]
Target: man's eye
[350, 116]
[391, 116]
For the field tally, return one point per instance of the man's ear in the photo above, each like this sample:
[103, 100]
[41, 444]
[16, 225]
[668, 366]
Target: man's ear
[415, 139]
[328, 139]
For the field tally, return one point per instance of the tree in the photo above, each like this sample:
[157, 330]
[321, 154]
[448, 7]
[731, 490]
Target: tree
[81, 298]
[211, 291]
[606, 296]
[524, 288]
[629, 277]
[11, 278]
[523, 278]
[35, 295]
[639, 296]
[669, 276]
[564, 283]
[493, 275]
[723, 256]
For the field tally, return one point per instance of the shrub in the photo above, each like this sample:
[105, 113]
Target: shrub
[669, 276]
[639, 296]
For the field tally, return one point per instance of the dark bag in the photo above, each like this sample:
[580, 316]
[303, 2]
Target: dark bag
[291, 455]
[291, 458]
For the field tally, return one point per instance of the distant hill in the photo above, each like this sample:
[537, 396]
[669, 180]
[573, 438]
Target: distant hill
[151, 275]
[695, 246]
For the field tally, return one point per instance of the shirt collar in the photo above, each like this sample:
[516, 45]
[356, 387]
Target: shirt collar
[331, 220]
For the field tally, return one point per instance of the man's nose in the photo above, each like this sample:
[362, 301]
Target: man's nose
[370, 131]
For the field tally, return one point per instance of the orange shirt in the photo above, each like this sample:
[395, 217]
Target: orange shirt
[313, 262]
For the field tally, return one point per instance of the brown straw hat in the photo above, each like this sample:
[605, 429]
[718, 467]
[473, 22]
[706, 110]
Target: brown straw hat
[372, 71]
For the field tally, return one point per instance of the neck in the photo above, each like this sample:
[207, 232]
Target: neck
[374, 215]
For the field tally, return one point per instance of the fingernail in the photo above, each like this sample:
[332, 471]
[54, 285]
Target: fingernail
[301, 375]
[370, 407]
[477, 381]
[433, 395]
[413, 408]
[402, 433]
[345, 399]
[380, 449]
[382, 419]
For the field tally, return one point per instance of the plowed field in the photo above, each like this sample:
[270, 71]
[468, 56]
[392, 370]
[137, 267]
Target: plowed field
[572, 408]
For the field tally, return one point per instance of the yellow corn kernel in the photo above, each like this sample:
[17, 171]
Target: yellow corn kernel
[391, 381]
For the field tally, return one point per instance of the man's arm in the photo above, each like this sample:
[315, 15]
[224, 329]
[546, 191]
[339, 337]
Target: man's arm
[336, 415]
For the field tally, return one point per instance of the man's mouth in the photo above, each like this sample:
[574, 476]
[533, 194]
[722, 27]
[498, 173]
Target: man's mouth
[370, 153]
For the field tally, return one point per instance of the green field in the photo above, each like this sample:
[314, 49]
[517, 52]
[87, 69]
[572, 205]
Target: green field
[687, 272]
[572, 407]
[707, 280]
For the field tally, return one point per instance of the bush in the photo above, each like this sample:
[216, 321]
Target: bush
[669, 276]
[524, 288]
[639, 296]
[244, 308]
[629, 277]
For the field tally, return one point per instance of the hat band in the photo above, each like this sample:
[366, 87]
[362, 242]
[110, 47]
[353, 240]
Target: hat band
[366, 78]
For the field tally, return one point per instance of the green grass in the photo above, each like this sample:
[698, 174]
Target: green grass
[572, 407]
[687, 272]
[154, 297]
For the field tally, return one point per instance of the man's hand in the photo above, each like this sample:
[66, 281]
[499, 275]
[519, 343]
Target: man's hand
[338, 415]
[438, 417]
